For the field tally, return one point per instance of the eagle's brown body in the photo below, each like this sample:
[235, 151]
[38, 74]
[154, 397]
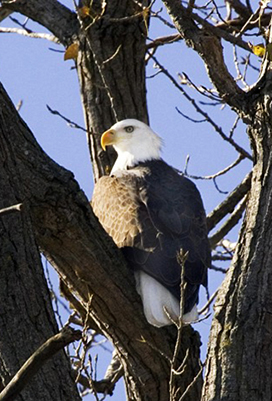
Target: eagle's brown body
[152, 212]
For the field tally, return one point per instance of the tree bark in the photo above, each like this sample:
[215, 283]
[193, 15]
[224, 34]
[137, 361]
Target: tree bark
[26, 314]
[240, 349]
[111, 69]
[91, 266]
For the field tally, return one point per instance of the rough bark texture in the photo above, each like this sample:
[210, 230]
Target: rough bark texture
[111, 68]
[26, 315]
[93, 267]
[111, 74]
[112, 78]
[240, 352]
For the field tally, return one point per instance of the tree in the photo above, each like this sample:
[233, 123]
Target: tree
[111, 41]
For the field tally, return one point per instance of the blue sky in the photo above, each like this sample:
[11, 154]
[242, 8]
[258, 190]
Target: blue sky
[31, 72]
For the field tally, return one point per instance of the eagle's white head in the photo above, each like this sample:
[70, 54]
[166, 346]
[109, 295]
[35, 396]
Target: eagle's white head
[134, 142]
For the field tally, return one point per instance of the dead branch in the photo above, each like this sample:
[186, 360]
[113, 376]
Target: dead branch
[37, 360]
[218, 174]
[35, 35]
[229, 224]
[57, 18]
[228, 205]
[70, 123]
[163, 40]
[209, 47]
[208, 303]
[201, 367]
[240, 8]
[182, 257]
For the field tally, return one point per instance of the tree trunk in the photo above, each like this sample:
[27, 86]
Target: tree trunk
[240, 351]
[26, 315]
[91, 266]
[111, 69]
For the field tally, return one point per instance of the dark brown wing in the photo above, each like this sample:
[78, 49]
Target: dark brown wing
[152, 212]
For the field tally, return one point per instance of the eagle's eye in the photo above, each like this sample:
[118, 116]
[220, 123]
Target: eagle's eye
[129, 129]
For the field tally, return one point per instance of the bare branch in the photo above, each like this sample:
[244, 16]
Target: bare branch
[208, 303]
[182, 257]
[240, 8]
[76, 305]
[210, 50]
[193, 381]
[229, 224]
[57, 18]
[114, 372]
[228, 205]
[30, 34]
[219, 173]
[164, 40]
[221, 33]
[209, 93]
[37, 360]
[221, 258]
[70, 123]
[202, 112]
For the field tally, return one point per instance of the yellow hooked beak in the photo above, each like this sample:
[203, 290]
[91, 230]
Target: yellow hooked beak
[108, 138]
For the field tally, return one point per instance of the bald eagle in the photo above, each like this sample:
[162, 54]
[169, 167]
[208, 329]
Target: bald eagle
[152, 213]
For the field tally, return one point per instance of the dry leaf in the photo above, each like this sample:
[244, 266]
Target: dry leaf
[84, 12]
[71, 52]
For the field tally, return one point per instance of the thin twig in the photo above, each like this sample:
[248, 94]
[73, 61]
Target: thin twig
[11, 209]
[248, 22]
[219, 173]
[71, 123]
[233, 128]
[190, 118]
[192, 382]
[182, 257]
[200, 111]
[184, 79]
[208, 303]
[240, 76]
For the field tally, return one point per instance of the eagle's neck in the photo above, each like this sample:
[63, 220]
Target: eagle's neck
[127, 159]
